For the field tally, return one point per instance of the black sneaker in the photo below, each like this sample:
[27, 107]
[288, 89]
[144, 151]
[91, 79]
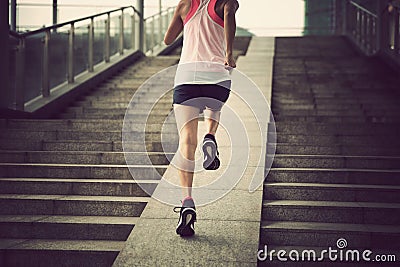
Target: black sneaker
[187, 217]
[211, 154]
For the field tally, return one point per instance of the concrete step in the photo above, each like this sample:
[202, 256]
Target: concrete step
[84, 157]
[317, 112]
[332, 161]
[67, 197]
[332, 140]
[110, 113]
[114, 125]
[336, 119]
[304, 102]
[66, 227]
[101, 125]
[41, 170]
[49, 252]
[81, 187]
[152, 118]
[333, 149]
[120, 110]
[125, 104]
[336, 171]
[332, 212]
[310, 234]
[123, 100]
[366, 101]
[329, 192]
[71, 205]
[21, 144]
[335, 176]
[372, 129]
[72, 145]
[74, 115]
[127, 93]
[99, 135]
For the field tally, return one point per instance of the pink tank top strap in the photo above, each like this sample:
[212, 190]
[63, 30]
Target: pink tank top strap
[213, 14]
[193, 8]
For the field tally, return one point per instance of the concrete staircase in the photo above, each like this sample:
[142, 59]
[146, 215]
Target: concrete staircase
[67, 197]
[336, 172]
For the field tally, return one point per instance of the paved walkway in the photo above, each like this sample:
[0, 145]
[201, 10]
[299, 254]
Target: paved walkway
[227, 230]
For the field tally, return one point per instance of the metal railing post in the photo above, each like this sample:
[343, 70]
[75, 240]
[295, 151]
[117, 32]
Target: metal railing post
[152, 39]
[121, 33]
[133, 32]
[359, 26]
[91, 46]
[364, 27]
[71, 42]
[370, 34]
[107, 40]
[45, 65]
[20, 76]
[344, 18]
[396, 15]
[165, 22]
[142, 32]
[160, 28]
[160, 23]
[350, 20]
[13, 15]
[144, 37]
[381, 33]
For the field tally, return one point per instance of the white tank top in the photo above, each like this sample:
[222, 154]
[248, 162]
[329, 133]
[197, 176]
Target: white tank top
[203, 52]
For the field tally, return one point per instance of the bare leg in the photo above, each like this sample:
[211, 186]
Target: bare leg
[211, 119]
[187, 123]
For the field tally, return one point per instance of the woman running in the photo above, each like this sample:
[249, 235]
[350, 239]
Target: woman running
[202, 84]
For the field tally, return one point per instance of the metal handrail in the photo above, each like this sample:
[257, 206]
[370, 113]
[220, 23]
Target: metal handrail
[360, 7]
[362, 28]
[146, 41]
[375, 34]
[59, 25]
[158, 14]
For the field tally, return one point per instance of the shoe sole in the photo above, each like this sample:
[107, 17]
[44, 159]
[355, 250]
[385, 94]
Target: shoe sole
[186, 222]
[211, 161]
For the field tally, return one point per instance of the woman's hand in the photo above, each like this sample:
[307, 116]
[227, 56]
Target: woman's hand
[230, 9]
[390, 8]
[230, 62]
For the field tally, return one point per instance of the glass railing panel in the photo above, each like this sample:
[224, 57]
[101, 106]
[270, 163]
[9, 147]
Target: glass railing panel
[99, 39]
[148, 34]
[81, 49]
[12, 52]
[157, 30]
[114, 34]
[33, 66]
[58, 53]
[127, 29]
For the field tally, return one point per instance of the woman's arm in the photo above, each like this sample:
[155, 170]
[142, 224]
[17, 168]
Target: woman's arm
[176, 25]
[230, 9]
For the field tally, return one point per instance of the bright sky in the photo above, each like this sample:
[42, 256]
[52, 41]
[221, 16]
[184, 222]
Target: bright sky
[262, 17]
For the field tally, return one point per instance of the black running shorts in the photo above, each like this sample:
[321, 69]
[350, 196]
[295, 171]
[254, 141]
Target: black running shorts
[202, 96]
